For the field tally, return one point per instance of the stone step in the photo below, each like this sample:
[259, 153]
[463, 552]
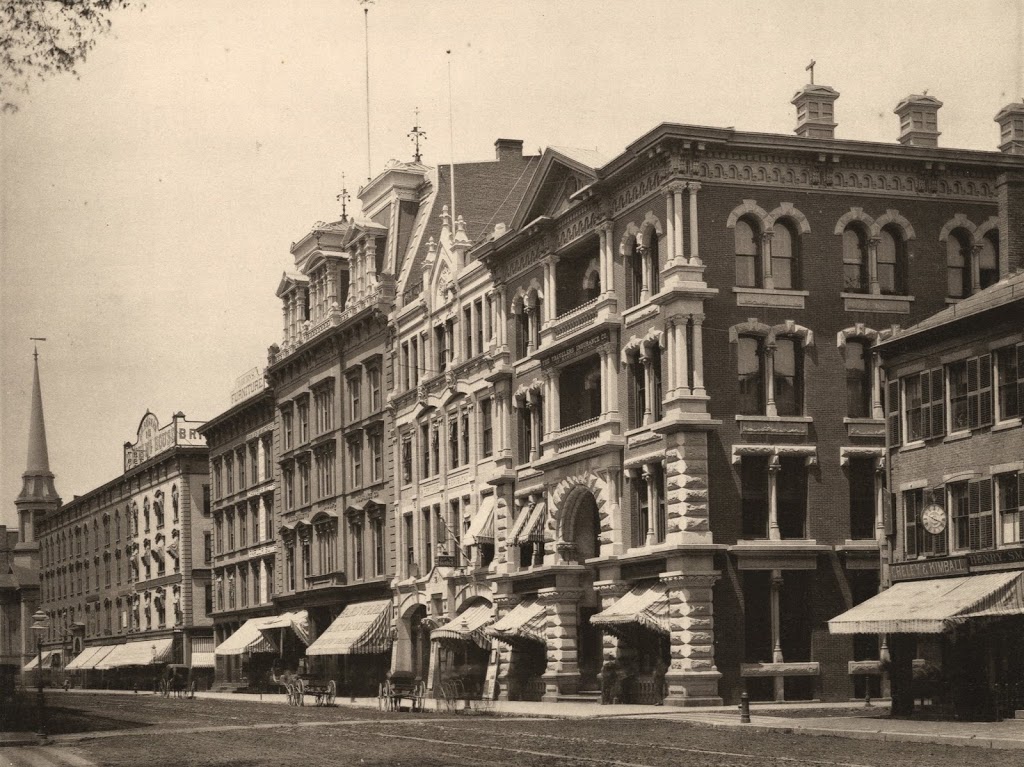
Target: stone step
[583, 696]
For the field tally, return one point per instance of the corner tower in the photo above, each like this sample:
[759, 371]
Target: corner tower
[38, 495]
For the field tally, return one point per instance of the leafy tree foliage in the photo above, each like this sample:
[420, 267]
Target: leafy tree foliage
[43, 38]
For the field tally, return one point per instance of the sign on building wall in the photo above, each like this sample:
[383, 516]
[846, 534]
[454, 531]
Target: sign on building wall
[152, 440]
[248, 384]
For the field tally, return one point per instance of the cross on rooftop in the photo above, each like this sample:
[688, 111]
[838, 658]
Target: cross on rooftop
[810, 68]
[343, 197]
[416, 134]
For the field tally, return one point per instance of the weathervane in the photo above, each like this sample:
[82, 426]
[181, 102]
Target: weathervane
[416, 134]
[35, 352]
[810, 68]
[343, 198]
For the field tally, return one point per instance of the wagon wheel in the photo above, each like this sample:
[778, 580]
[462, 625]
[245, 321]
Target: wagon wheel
[289, 690]
[300, 692]
[331, 693]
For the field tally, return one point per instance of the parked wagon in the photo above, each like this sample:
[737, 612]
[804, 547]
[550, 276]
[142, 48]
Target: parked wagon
[177, 681]
[400, 686]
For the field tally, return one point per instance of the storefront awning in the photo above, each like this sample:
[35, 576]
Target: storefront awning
[258, 635]
[144, 652]
[204, 660]
[530, 525]
[481, 526]
[47, 659]
[644, 605]
[467, 626]
[90, 656]
[934, 606]
[364, 627]
[527, 620]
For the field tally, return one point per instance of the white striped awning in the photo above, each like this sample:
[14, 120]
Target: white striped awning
[144, 652]
[645, 605]
[527, 620]
[47, 655]
[297, 621]
[258, 635]
[90, 656]
[202, 655]
[467, 626]
[934, 606]
[481, 526]
[529, 526]
[363, 627]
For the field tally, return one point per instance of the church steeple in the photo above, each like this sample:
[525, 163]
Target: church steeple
[38, 495]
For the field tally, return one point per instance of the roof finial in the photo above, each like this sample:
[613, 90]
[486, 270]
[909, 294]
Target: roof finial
[343, 197]
[416, 134]
[810, 68]
[35, 352]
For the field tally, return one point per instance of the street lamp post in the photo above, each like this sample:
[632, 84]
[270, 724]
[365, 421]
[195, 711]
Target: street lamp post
[40, 625]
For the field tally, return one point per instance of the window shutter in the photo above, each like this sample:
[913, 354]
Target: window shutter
[892, 405]
[926, 408]
[973, 413]
[938, 404]
[985, 390]
[974, 515]
[986, 521]
[909, 525]
[1020, 379]
[1020, 502]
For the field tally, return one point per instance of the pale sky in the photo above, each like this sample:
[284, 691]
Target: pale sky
[148, 207]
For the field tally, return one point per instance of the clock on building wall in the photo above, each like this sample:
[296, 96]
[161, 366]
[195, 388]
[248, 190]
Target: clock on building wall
[933, 518]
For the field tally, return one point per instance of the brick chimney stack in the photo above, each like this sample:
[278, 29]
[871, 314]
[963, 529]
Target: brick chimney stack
[1011, 128]
[815, 111]
[508, 149]
[919, 120]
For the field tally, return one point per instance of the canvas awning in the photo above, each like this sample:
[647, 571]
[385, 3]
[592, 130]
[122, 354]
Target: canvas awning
[144, 652]
[47, 655]
[481, 526]
[90, 656]
[258, 635]
[363, 627]
[525, 621]
[934, 606]
[644, 605]
[467, 626]
[530, 525]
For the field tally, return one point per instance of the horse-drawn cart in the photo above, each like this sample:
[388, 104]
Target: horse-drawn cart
[298, 686]
[399, 686]
[177, 681]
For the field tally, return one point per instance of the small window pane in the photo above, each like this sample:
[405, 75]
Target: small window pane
[751, 382]
[787, 377]
[747, 259]
[855, 278]
[782, 257]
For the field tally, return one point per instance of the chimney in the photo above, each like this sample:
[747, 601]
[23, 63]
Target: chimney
[508, 149]
[1011, 128]
[815, 111]
[919, 120]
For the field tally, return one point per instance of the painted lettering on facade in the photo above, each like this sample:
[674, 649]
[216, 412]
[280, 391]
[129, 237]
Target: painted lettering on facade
[579, 349]
[152, 440]
[248, 384]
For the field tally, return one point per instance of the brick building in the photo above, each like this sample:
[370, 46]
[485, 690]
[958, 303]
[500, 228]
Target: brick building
[124, 563]
[954, 606]
[697, 423]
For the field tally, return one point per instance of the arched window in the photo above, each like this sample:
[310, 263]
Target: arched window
[750, 370]
[858, 378]
[788, 376]
[748, 254]
[651, 255]
[855, 259]
[988, 260]
[785, 257]
[892, 262]
[958, 264]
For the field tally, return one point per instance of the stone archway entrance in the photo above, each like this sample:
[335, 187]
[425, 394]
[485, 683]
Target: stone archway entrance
[581, 532]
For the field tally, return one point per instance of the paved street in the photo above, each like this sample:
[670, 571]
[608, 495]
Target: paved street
[132, 730]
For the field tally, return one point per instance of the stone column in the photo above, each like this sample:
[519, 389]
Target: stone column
[555, 417]
[645, 360]
[531, 327]
[766, 260]
[670, 224]
[562, 676]
[769, 374]
[694, 187]
[286, 319]
[507, 655]
[608, 278]
[692, 678]
[609, 593]
[613, 383]
[532, 406]
[975, 268]
[876, 288]
[677, 245]
[682, 355]
[698, 356]
[879, 501]
[645, 271]
[774, 466]
[776, 588]
[651, 535]
[876, 388]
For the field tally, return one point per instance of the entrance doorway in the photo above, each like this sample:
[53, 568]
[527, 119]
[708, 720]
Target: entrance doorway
[420, 635]
[590, 650]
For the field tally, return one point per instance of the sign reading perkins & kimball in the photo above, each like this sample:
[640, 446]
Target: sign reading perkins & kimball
[965, 564]
[151, 439]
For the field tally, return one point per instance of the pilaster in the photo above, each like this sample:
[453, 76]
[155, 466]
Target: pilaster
[692, 678]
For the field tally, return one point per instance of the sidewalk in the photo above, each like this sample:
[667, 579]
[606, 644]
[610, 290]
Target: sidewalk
[1008, 734]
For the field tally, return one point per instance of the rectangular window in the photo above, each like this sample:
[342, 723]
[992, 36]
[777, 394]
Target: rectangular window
[410, 544]
[377, 528]
[288, 488]
[289, 565]
[254, 462]
[1010, 381]
[440, 345]
[304, 484]
[325, 473]
[355, 452]
[924, 402]
[404, 361]
[750, 372]
[286, 430]
[268, 510]
[229, 478]
[240, 458]
[218, 488]
[376, 457]
[269, 564]
[453, 441]
[243, 585]
[791, 497]
[254, 512]
[354, 394]
[857, 360]
[1009, 500]
[970, 393]
[373, 380]
[303, 422]
[788, 377]
[425, 449]
[754, 492]
[486, 428]
[479, 327]
[414, 362]
[971, 503]
[323, 404]
[861, 472]
[307, 558]
[428, 547]
[465, 436]
[268, 458]
[467, 332]
[406, 460]
[243, 527]
[435, 448]
[638, 392]
[230, 522]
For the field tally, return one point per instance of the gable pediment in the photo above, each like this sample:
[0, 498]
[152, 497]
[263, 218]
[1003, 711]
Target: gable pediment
[550, 194]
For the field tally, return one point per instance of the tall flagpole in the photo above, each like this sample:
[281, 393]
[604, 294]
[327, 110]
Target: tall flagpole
[366, 32]
[451, 138]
